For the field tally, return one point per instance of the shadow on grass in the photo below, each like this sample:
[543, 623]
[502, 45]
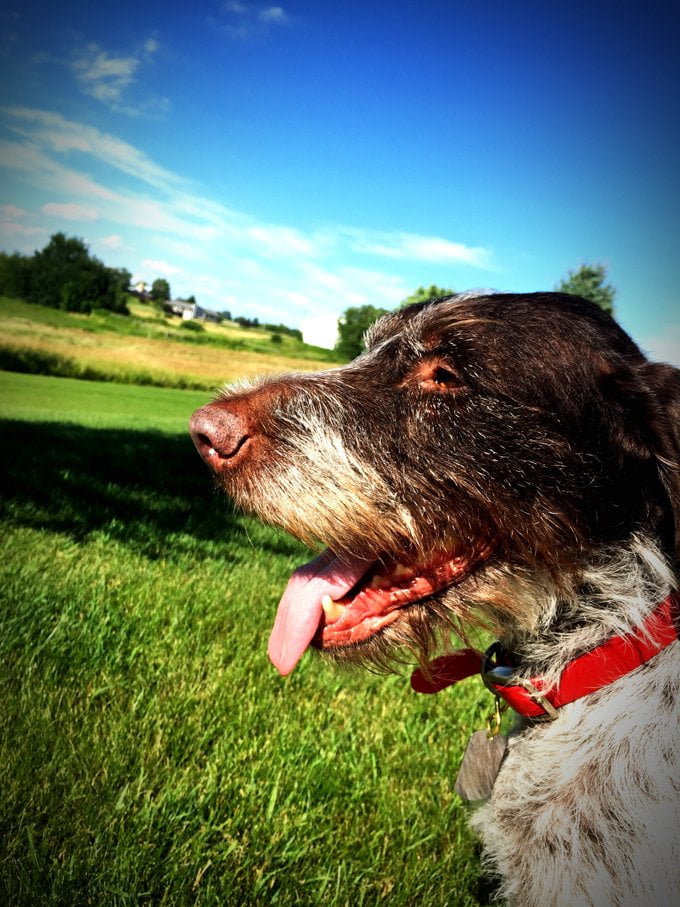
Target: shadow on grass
[144, 488]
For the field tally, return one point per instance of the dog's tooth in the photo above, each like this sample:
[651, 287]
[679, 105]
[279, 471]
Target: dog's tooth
[332, 610]
[378, 582]
[401, 571]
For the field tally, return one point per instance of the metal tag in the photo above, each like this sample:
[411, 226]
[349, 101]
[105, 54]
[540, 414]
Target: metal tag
[480, 766]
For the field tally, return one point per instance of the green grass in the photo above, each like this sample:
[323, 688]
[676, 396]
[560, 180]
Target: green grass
[149, 754]
[47, 399]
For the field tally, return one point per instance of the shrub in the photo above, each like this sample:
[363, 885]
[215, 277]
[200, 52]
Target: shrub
[192, 326]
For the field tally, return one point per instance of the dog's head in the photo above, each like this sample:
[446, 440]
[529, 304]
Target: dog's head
[481, 447]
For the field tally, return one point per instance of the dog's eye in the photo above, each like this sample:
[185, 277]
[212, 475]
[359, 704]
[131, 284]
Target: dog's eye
[444, 377]
[438, 377]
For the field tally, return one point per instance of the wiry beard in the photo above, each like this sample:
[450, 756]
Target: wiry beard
[339, 462]
[319, 488]
[546, 621]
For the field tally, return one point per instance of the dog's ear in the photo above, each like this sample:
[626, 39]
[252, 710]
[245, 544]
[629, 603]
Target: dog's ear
[663, 386]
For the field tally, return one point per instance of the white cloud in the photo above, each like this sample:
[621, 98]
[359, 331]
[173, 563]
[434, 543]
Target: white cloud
[7, 228]
[16, 237]
[207, 285]
[20, 237]
[274, 14]
[107, 77]
[191, 217]
[11, 212]
[331, 290]
[160, 267]
[421, 248]
[41, 171]
[44, 172]
[228, 259]
[362, 286]
[320, 277]
[101, 76]
[69, 211]
[275, 240]
[112, 242]
[246, 20]
[56, 133]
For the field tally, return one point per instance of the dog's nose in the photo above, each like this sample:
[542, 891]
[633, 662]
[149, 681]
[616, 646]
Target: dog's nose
[221, 433]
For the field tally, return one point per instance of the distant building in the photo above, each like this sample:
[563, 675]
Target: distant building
[188, 310]
[139, 291]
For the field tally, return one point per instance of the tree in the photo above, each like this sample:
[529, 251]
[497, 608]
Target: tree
[283, 329]
[123, 277]
[160, 290]
[15, 275]
[589, 281]
[247, 322]
[64, 275]
[352, 325]
[425, 295]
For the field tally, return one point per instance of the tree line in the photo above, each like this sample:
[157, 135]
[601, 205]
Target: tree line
[276, 329]
[587, 281]
[64, 275]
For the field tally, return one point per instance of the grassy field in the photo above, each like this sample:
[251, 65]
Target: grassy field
[144, 348]
[149, 754]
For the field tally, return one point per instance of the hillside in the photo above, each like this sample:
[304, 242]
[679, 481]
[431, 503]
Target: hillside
[144, 347]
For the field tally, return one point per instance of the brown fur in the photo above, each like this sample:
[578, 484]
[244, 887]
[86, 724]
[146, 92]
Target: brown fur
[528, 425]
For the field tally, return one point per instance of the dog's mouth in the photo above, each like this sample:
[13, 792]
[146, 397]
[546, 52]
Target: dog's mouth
[336, 602]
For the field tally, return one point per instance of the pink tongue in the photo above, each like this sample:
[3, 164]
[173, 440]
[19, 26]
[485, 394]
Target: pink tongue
[299, 613]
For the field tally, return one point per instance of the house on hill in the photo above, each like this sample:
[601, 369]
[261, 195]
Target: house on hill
[140, 291]
[188, 310]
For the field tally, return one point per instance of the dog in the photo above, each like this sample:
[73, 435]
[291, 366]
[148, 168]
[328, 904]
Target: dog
[511, 462]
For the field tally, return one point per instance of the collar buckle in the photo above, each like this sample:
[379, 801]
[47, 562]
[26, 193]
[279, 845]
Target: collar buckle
[498, 676]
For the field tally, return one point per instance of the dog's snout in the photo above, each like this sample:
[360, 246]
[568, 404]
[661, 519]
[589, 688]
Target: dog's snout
[221, 433]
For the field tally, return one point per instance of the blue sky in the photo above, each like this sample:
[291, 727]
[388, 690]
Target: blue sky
[287, 161]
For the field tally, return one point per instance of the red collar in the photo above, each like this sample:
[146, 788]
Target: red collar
[591, 671]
